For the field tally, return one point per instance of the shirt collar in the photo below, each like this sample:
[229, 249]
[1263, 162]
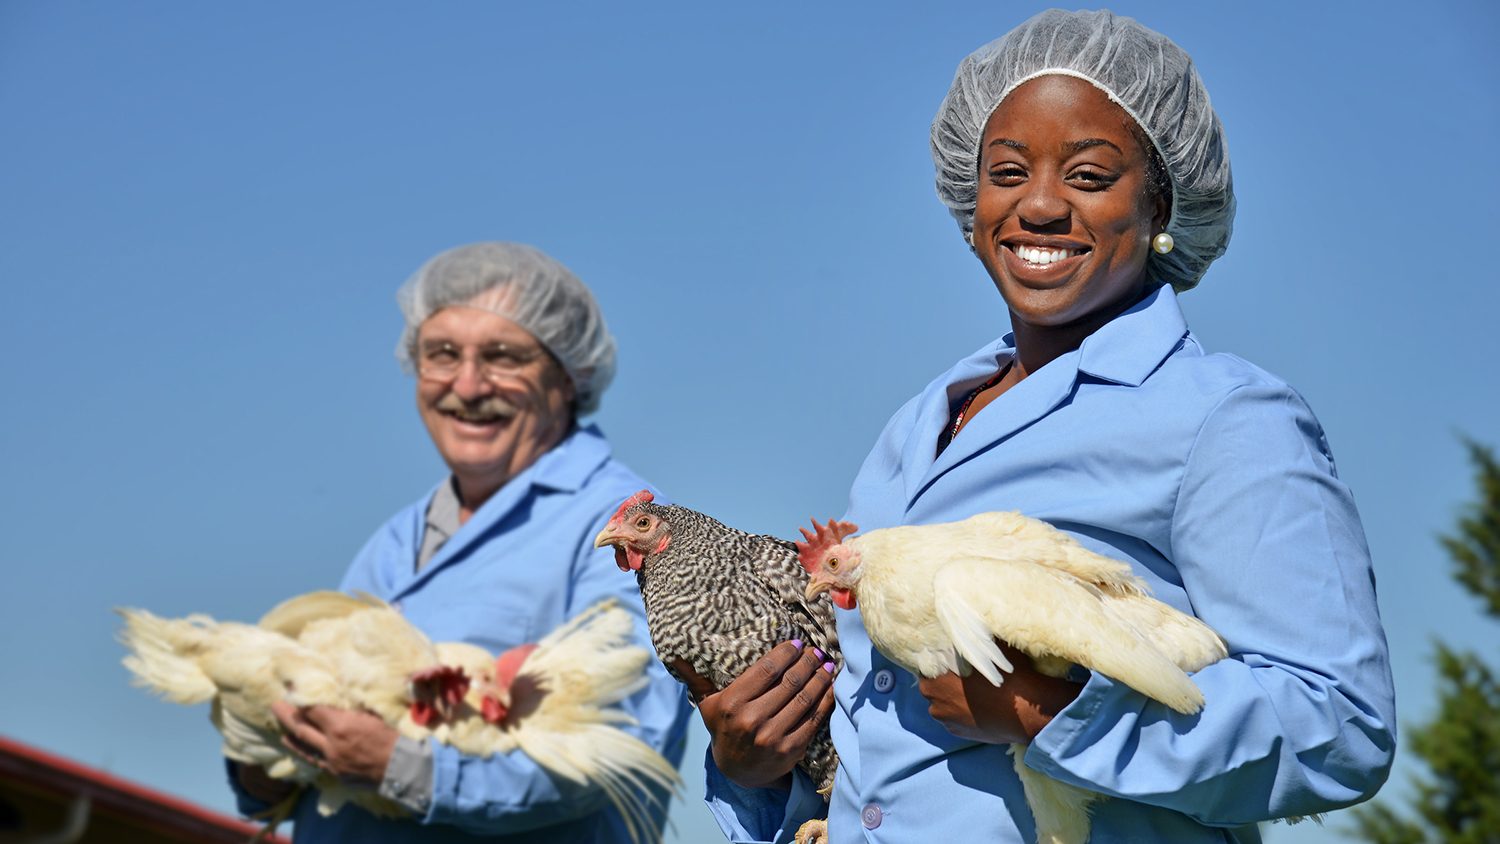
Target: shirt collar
[1130, 347]
[442, 510]
[566, 468]
[570, 464]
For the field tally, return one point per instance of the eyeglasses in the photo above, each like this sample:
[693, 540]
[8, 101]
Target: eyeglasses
[442, 361]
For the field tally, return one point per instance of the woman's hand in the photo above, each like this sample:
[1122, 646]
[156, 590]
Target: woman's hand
[355, 746]
[761, 724]
[1014, 712]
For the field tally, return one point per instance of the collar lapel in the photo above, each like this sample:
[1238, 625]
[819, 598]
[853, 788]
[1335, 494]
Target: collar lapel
[1036, 396]
[1124, 351]
[935, 409]
[564, 468]
[498, 507]
[1132, 345]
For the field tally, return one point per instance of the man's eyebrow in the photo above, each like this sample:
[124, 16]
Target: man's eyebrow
[510, 346]
[520, 345]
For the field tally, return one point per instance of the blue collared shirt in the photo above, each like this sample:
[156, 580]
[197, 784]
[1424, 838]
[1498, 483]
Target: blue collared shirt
[523, 564]
[1214, 481]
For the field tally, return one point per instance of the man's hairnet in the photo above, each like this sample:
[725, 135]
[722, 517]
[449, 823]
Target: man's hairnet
[526, 287]
[1144, 73]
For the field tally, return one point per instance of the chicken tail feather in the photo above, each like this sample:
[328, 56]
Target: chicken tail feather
[596, 642]
[634, 777]
[1061, 811]
[162, 651]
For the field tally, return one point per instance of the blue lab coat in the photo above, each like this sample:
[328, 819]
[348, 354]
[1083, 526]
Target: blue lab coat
[1215, 482]
[523, 564]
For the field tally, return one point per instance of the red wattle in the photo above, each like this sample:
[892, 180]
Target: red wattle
[842, 598]
[491, 710]
[423, 714]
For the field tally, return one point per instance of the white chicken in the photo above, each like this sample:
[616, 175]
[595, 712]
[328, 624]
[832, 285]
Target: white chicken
[934, 598]
[242, 669]
[555, 700]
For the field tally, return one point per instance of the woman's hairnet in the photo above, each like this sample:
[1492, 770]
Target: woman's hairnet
[1144, 73]
[525, 286]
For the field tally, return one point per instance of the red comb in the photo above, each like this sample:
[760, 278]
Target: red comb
[436, 692]
[811, 549]
[508, 665]
[442, 681]
[642, 497]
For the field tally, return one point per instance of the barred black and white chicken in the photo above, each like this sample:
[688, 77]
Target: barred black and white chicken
[718, 598]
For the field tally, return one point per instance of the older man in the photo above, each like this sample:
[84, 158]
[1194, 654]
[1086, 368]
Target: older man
[509, 348]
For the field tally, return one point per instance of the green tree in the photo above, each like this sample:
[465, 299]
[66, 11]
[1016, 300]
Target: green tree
[1457, 799]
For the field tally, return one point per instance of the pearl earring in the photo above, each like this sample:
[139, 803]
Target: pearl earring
[1162, 243]
[969, 236]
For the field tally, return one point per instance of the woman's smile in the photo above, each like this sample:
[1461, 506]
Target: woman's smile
[1043, 263]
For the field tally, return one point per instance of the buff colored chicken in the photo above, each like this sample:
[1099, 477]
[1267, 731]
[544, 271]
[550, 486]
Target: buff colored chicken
[934, 598]
[554, 700]
[242, 669]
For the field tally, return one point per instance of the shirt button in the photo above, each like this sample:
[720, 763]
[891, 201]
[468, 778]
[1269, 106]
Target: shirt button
[870, 816]
[884, 682]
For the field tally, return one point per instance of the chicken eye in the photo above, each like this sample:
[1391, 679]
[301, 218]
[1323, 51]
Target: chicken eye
[833, 563]
[642, 523]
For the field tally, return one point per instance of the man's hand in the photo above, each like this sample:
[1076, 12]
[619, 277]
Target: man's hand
[762, 723]
[352, 745]
[1014, 712]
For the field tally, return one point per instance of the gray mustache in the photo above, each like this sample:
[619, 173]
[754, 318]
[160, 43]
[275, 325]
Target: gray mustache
[486, 409]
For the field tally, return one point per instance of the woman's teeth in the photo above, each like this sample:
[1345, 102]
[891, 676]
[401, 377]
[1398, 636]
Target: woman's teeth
[1036, 255]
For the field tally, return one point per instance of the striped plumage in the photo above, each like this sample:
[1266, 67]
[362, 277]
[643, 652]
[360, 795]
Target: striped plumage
[719, 598]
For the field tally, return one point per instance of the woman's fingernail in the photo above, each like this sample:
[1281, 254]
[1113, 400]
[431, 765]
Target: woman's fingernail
[797, 643]
[818, 652]
[828, 666]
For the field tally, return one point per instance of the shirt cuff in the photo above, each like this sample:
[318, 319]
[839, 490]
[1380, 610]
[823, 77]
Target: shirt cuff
[1066, 736]
[408, 775]
[244, 802]
[756, 815]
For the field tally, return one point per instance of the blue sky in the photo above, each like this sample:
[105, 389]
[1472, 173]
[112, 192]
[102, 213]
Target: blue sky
[205, 210]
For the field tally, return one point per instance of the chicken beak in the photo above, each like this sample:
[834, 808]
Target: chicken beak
[605, 537]
[626, 557]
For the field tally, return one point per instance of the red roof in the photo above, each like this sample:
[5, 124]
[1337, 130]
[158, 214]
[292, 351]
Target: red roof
[118, 803]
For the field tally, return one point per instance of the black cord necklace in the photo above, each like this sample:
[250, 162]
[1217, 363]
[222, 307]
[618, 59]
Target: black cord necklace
[963, 409]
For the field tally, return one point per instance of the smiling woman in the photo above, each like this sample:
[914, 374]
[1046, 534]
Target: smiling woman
[1065, 216]
[1089, 174]
[1066, 212]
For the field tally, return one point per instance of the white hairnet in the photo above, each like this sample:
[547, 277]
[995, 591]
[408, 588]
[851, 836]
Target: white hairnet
[525, 286]
[1144, 73]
